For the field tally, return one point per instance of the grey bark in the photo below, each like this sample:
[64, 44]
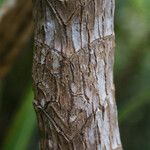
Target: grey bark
[73, 75]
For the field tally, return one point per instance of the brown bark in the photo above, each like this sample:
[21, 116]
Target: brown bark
[73, 75]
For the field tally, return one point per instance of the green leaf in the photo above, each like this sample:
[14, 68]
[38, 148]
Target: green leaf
[22, 126]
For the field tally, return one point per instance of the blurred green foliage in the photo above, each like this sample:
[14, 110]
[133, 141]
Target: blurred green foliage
[1, 1]
[22, 125]
[132, 72]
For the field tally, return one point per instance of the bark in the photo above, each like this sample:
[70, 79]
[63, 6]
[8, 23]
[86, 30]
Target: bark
[73, 75]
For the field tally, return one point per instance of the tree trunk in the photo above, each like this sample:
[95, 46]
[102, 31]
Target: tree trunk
[73, 75]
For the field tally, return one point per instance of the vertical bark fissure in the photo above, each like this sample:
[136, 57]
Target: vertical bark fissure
[72, 75]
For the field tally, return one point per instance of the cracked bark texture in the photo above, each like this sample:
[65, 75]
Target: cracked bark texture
[73, 75]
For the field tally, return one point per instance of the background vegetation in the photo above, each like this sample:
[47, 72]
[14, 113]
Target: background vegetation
[18, 129]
